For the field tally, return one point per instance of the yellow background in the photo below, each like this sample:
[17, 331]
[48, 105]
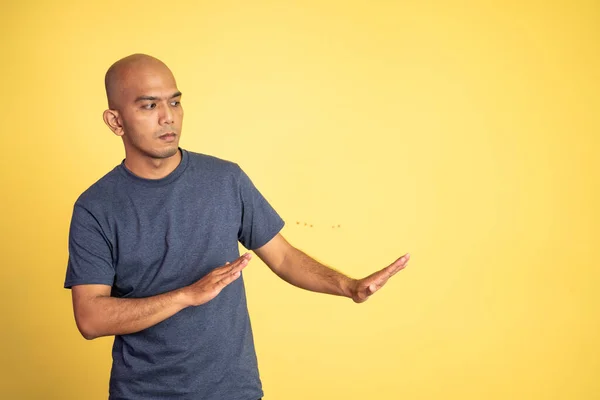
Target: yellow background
[465, 133]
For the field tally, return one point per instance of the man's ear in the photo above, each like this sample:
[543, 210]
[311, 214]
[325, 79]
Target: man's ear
[112, 120]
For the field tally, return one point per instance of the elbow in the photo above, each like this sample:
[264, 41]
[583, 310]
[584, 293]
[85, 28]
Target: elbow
[87, 329]
[88, 335]
[88, 311]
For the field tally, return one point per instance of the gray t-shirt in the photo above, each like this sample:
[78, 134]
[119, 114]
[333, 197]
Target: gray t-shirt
[146, 237]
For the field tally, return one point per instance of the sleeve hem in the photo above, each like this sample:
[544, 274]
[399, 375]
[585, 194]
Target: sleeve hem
[261, 243]
[70, 283]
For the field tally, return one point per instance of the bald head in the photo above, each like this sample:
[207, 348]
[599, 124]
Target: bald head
[144, 108]
[129, 73]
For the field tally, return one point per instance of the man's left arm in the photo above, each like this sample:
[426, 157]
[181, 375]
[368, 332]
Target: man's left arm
[299, 269]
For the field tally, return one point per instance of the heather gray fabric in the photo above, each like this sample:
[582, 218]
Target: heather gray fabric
[145, 237]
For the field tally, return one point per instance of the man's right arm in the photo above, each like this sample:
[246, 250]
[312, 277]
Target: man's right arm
[98, 314]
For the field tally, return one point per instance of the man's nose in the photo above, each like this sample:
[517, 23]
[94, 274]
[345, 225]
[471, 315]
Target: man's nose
[166, 115]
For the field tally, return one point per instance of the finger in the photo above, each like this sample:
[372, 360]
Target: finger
[382, 276]
[375, 282]
[402, 260]
[398, 265]
[228, 278]
[233, 266]
[392, 268]
[237, 267]
[242, 263]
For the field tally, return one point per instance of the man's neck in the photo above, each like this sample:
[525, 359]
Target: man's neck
[153, 168]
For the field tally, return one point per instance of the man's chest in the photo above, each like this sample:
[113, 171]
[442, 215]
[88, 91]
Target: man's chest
[161, 245]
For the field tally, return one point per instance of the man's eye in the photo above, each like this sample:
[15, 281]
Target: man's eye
[175, 103]
[150, 106]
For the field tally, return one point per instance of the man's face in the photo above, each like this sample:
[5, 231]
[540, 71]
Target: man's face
[151, 113]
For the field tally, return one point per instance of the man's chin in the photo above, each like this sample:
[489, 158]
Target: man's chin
[167, 152]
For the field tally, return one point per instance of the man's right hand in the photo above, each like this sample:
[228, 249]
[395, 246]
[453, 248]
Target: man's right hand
[207, 288]
[97, 313]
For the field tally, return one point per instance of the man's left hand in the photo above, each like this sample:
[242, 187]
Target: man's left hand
[362, 289]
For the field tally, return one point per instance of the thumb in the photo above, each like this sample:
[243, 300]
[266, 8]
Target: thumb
[372, 288]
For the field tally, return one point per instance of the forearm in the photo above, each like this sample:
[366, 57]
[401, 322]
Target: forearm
[105, 315]
[98, 314]
[302, 271]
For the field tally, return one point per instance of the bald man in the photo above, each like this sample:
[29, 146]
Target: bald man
[154, 259]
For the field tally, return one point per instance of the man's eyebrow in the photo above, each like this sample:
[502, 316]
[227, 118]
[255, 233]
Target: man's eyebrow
[141, 98]
[152, 98]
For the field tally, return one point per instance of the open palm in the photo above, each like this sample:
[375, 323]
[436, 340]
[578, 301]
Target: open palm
[364, 288]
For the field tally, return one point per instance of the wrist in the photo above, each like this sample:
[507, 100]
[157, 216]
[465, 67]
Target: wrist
[348, 287]
[182, 297]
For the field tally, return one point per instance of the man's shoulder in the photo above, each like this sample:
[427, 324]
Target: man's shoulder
[212, 164]
[101, 191]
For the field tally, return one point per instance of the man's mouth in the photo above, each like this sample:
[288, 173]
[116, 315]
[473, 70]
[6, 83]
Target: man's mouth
[169, 136]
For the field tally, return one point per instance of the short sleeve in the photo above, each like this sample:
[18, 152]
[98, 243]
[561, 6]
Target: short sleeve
[90, 253]
[260, 222]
